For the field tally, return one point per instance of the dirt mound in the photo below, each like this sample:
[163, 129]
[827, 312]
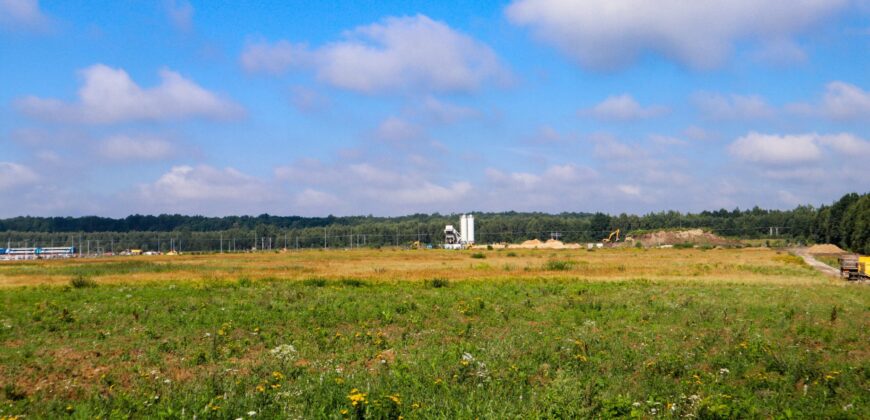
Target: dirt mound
[674, 237]
[825, 249]
[550, 244]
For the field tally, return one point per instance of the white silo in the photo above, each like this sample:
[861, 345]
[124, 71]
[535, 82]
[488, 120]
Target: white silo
[469, 237]
[463, 228]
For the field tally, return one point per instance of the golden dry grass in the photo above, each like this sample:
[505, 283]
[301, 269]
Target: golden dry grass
[750, 265]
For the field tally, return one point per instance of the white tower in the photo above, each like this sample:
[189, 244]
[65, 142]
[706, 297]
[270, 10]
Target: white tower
[463, 228]
[469, 229]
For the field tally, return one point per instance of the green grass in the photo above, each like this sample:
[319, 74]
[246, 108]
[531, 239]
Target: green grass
[553, 348]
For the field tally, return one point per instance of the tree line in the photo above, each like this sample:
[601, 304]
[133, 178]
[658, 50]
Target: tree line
[845, 223]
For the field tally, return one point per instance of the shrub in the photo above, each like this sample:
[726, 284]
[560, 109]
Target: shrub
[314, 282]
[556, 265]
[511, 254]
[82, 282]
[684, 245]
[489, 247]
[478, 255]
[353, 282]
[437, 283]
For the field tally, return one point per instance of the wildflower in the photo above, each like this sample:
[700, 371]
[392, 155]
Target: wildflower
[277, 375]
[724, 371]
[344, 411]
[438, 381]
[395, 399]
[275, 386]
[284, 352]
[581, 358]
[415, 406]
[744, 345]
[357, 398]
[339, 381]
[69, 409]
[252, 413]
[261, 388]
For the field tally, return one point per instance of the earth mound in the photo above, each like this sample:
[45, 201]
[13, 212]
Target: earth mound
[825, 249]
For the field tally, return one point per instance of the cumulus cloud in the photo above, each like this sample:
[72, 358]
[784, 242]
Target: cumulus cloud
[623, 108]
[607, 34]
[204, 183]
[109, 95]
[22, 14]
[125, 147]
[398, 54]
[364, 187]
[274, 58]
[13, 175]
[845, 101]
[773, 149]
[716, 106]
[180, 13]
[776, 149]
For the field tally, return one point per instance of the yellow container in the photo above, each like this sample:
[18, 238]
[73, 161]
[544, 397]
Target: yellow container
[863, 264]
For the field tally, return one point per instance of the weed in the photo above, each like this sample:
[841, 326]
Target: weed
[314, 282]
[558, 265]
[478, 255]
[437, 283]
[82, 282]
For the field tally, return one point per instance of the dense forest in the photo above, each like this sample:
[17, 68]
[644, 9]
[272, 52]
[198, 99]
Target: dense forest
[845, 223]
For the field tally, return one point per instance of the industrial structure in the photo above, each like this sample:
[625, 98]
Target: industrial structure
[464, 237]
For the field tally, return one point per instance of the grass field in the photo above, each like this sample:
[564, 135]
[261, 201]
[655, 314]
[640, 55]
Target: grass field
[421, 334]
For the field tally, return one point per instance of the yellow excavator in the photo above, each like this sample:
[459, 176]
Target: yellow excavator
[610, 238]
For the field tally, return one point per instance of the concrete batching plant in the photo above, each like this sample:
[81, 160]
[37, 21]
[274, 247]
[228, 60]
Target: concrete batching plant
[458, 239]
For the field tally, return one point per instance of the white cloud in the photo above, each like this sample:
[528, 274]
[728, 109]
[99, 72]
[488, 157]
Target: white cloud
[14, 175]
[446, 113]
[781, 52]
[274, 58]
[123, 147]
[775, 149]
[847, 144]
[844, 101]
[623, 108]
[109, 95]
[717, 106]
[357, 188]
[632, 190]
[397, 130]
[22, 14]
[399, 54]
[606, 34]
[204, 189]
[180, 13]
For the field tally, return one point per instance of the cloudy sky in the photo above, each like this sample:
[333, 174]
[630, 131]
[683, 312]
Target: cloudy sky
[395, 107]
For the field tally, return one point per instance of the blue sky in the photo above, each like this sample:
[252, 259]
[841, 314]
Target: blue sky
[396, 107]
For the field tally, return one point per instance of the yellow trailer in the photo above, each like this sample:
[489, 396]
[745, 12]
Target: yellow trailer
[855, 267]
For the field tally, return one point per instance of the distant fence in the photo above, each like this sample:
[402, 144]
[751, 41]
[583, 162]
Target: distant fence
[337, 237]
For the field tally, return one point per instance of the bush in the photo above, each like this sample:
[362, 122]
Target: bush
[353, 282]
[684, 245]
[437, 283]
[489, 247]
[556, 265]
[478, 255]
[82, 282]
[511, 254]
[314, 282]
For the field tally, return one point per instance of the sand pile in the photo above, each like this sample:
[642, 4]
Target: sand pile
[550, 244]
[692, 236]
[825, 249]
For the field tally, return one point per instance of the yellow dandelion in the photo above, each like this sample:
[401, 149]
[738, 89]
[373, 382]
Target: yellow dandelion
[261, 388]
[395, 399]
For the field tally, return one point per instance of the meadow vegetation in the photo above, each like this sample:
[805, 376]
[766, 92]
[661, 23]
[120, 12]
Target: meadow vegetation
[420, 334]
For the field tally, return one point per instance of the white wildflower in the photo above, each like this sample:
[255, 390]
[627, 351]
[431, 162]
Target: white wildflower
[284, 352]
[724, 371]
[252, 413]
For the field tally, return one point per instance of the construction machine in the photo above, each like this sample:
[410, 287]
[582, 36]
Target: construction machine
[854, 267]
[610, 238]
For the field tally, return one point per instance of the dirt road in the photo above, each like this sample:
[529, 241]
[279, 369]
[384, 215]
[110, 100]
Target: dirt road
[818, 265]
